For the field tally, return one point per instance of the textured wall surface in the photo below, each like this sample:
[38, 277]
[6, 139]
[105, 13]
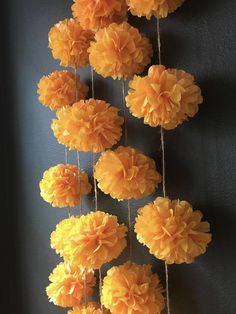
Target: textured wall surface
[200, 155]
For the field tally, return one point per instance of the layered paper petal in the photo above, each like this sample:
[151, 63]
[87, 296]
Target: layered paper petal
[88, 308]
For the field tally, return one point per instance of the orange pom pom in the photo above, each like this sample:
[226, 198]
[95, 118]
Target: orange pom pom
[165, 97]
[69, 285]
[90, 125]
[95, 239]
[93, 14]
[149, 8]
[88, 308]
[69, 43]
[60, 89]
[124, 51]
[132, 289]
[126, 173]
[64, 185]
[172, 230]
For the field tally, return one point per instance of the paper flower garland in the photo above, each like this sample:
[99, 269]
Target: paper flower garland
[63, 185]
[69, 285]
[120, 51]
[132, 289]
[165, 97]
[88, 308]
[95, 239]
[93, 14]
[69, 43]
[172, 230]
[126, 173]
[60, 89]
[158, 8]
[90, 125]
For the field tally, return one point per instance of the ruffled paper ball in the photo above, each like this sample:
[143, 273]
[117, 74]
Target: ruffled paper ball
[120, 51]
[60, 89]
[93, 14]
[69, 43]
[59, 237]
[95, 239]
[149, 8]
[126, 173]
[172, 231]
[90, 125]
[88, 308]
[165, 97]
[69, 285]
[64, 185]
[132, 289]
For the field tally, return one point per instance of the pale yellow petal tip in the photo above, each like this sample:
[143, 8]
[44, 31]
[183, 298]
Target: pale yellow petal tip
[172, 230]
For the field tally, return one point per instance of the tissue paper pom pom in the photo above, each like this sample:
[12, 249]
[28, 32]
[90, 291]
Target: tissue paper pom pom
[95, 14]
[120, 51]
[69, 285]
[90, 125]
[126, 173]
[158, 8]
[172, 230]
[69, 43]
[89, 308]
[64, 185]
[60, 235]
[60, 89]
[132, 289]
[96, 239]
[165, 97]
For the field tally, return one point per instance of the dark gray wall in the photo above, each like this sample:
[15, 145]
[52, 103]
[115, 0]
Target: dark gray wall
[201, 154]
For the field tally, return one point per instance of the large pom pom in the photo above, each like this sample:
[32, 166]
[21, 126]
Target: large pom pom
[69, 43]
[119, 51]
[88, 308]
[126, 173]
[90, 125]
[165, 97]
[149, 8]
[69, 285]
[93, 14]
[95, 239]
[172, 230]
[60, 89]
[64, 185]
[132, 289]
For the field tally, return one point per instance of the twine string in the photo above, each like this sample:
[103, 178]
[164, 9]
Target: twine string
[126, 143]
[163, 168]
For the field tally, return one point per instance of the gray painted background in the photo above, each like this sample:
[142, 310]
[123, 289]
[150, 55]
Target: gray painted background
[201, 154]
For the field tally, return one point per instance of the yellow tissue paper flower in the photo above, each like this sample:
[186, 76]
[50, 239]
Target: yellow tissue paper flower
[64, 185]
[88, 125]
[95, 239]
[149, 8]
[165, 97]
[60, 89]
[126, 173]
[88, 308]
[69, 285]
[120, 51]
[132, 289]
[69, 43]
[95, 14]
[172, 230]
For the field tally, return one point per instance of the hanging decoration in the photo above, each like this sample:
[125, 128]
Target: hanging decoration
[64, 185]
[172, 230]
[126, 173]
[60, 89]
[93, 14]
[165, 97]
[124, 50]
[132, 288]
[99, 35]
[88, 125]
